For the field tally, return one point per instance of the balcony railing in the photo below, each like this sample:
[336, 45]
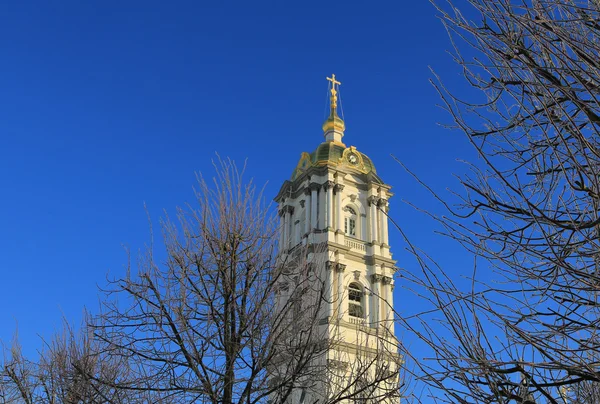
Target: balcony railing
[357, 245]
[357, 320]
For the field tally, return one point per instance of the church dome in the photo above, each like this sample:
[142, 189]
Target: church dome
[333, 152]
[336, 155]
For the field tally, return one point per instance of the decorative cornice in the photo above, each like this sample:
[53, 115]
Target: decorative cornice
[373, 200]
[314, 186]
[338, 188]
[335, 266]
[369, 181]
[288, 209]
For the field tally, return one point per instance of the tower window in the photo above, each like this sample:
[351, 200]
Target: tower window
[355, 300]
[350, 221]
[350, 226]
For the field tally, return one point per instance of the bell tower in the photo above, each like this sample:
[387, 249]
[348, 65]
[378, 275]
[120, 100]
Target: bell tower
[334, 209]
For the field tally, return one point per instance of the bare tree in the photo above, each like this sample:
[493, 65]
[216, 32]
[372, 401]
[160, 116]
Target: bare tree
[528, 331]
[222, 318]
[65, 372]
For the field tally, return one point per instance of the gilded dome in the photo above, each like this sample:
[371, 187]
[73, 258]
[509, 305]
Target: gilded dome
[334, 122]
[337, 155]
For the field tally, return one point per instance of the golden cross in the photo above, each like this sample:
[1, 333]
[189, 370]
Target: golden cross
[333, 80]
[333, 92]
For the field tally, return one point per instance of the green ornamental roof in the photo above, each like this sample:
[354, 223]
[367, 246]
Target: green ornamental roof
[335, 154]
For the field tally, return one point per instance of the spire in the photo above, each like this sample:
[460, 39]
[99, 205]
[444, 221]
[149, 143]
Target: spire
[334, 125]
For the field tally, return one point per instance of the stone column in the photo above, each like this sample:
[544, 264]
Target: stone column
[307, 207]
[297, 233]
[286, 227]
[383, 203]
[328, 187]
[329, 265]
[387, 282]
[289, 213]
[391, 323]
[367, 307]
[314, 187]
[322, 212]
[340, 268]
[338, 188]
[374, 233]
[281, 229]
[376, 303]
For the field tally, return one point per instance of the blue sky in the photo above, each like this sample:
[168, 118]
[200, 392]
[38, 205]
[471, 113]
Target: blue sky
[105, 106]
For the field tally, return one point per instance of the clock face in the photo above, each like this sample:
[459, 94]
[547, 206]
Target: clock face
[352, 158]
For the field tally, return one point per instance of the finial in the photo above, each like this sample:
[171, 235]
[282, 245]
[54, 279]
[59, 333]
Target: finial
[333, 91]
[334, 125]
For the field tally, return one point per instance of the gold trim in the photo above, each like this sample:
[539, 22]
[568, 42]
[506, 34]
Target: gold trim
[333, 92]
[360, 165]
[334, 122]
[303, 164]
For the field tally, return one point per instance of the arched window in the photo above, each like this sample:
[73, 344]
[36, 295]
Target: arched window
[355, 300]
[350, 218]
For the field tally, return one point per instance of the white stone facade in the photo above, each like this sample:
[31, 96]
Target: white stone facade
[337, 202]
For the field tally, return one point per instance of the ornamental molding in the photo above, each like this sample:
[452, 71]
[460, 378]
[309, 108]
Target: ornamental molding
[328, 184]
[358, 165]
[373, 200]
[287, 209]
[303, 165]
[314, 186]
[335, 266]
[348, 209]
